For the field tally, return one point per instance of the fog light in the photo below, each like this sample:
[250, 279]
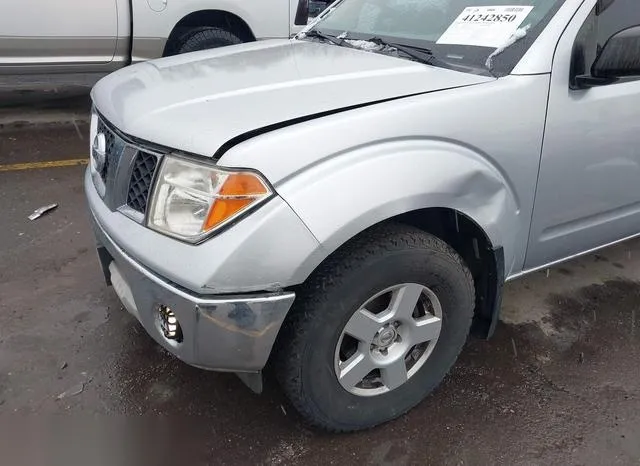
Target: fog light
[169, 324]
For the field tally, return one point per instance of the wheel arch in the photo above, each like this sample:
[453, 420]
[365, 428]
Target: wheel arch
[471, 242]
[212, 18]
[484, 259]
[449, 190]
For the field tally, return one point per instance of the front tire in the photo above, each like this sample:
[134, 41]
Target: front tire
[346, 368]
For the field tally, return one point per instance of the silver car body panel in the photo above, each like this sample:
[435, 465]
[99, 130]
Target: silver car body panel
[349, 139]
[221, 333]
[231, 265]
[591, 134]
[66, 72]
[152, 28]
[147, 48]
[42, 36]
[171, 101]
[484, 165]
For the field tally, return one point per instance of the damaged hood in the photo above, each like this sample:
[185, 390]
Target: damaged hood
[197, 102]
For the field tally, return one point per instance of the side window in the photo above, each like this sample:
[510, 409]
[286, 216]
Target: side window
[603, 22]
[317, 6]
[619, 15]
[309, 9]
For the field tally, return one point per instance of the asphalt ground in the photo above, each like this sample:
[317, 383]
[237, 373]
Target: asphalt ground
[558, 384]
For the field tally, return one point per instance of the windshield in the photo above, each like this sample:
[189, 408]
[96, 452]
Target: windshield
[472, 35]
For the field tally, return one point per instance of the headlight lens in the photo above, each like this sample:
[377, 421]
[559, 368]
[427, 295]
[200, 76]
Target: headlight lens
[191, 199]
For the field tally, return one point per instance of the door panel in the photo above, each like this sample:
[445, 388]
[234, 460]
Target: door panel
[37, 32]
[588, 192]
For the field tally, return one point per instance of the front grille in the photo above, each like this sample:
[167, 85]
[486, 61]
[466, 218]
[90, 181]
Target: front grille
[125, 176]
[144, 167]
[109, 150]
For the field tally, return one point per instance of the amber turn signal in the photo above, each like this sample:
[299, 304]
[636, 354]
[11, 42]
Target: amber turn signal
[238, 192]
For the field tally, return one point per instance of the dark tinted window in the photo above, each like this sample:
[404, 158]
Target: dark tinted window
[599, 27]
[621, 14]
[309, 9]
[316, 7]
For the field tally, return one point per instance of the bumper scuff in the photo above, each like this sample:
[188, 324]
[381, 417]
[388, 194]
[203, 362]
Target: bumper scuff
[225, 333]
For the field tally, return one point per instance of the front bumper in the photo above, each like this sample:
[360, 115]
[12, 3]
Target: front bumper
[227, 333]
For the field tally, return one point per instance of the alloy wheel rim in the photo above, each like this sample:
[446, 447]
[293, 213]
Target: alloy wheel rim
[388, 339]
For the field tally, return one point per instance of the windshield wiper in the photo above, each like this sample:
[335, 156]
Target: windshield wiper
[515, 37]
[423, 55]
[339, 41]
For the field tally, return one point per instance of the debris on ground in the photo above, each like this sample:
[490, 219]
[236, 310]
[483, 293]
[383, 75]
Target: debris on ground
[39, 212]
[77, 388]
[73, 391]
[63, 366]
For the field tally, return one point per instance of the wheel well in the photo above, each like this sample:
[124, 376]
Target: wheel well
[485, 262]
[213, 18]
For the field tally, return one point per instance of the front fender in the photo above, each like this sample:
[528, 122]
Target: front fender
[349, 192]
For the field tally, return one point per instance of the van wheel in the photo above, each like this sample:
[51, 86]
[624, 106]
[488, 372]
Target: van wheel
[205, 38]
[375, 329]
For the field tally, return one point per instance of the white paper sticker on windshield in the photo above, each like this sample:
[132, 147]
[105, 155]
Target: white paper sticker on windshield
[485, 26]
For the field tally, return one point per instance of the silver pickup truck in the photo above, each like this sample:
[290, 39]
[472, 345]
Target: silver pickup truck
[347, 205]
[98, 36]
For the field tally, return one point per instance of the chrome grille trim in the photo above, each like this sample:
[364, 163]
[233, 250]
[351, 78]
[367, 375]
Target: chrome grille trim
[113, 182]
[110, 148]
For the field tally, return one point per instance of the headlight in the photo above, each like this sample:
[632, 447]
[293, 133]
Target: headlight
[191, 199]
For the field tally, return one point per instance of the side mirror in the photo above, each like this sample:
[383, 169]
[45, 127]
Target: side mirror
[618, 59]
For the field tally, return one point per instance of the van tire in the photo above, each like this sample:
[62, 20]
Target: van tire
[204, 38]
[304, 356]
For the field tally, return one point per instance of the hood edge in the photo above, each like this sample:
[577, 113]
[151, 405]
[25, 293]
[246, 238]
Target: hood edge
[240, 138]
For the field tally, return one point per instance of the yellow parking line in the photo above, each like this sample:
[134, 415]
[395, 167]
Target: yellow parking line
[36, 165]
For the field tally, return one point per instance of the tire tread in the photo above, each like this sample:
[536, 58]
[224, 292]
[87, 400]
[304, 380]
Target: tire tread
[291, 342]
[190, 41]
